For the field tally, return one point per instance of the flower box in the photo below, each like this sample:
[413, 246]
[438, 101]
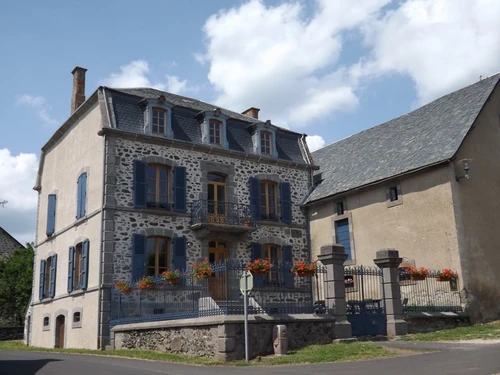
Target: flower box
[304, 273]
[259, 267]
[147, 282]
[443, 278]
[123, 287]
[258, 273]
[418, 278]
[304, 268]
[446, 275]
[418, 273]
[171, 277]
[202, 270]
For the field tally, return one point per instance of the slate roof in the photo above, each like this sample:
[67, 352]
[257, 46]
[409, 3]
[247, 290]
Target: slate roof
[426, 136]
[186, 127]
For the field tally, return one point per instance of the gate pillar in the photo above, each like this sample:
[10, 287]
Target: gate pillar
[333, 258]
[388, 260]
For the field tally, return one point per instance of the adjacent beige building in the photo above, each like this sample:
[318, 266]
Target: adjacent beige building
[427, 184]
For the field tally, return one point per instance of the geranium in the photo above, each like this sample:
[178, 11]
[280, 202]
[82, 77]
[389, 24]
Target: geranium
[259, 266]
[171, 277]
[447, 274]
[303, 266]
[123, 287]
[202, 270]
[146, 282]
[418, 272]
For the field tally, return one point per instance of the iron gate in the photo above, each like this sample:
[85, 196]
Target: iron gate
[365, 300]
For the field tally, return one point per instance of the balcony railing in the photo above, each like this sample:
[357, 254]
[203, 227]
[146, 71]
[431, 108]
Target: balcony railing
[206, 213]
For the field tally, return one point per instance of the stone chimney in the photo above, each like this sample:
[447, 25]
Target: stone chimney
[252, 112]
[78, 96]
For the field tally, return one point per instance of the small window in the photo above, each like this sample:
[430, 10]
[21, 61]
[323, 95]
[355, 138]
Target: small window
[47, 275]
[77, 317]
[268, 200]
[159, 121]
[215, 132]
[393, 193]
[340, 209]
[158, 180]
[157, 254]
[265, 143]
[317, 178]
[46, 321]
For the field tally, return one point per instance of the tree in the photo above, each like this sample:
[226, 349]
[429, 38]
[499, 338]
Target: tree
[16, 275]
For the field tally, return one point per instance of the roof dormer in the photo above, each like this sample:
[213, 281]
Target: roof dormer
[157, 117]
[213, 128]
[264, 138]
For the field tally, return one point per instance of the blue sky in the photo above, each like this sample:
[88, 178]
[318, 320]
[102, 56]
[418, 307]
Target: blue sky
[325, 68]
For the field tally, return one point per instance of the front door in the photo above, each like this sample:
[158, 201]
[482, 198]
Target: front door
[60, 323]
[216, 198]
[217, 252]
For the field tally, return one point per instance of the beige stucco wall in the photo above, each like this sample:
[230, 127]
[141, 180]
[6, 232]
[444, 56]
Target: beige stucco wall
[79, 150]
[422, 228]
[478, 206]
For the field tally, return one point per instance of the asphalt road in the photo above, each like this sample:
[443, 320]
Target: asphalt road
[456, 359]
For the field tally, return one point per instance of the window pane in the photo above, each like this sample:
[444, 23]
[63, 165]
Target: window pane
[163, 174]
[216, 178]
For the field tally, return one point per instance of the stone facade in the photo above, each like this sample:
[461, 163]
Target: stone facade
[128, 220]
[11, 333]
[419, 323]
[7, 244]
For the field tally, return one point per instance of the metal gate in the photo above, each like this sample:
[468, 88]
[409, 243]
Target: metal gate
[365, 300]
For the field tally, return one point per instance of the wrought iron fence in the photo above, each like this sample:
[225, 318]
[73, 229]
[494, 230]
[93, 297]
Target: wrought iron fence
[278, 292]
[212, 212]
[363, 290]
[429, 294]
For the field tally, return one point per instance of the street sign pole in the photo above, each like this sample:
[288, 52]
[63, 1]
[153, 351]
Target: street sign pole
[245, 312]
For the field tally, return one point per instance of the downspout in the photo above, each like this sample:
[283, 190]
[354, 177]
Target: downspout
[99, 336]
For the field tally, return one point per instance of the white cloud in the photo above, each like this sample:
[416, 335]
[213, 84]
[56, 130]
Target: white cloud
[315, 142]
[441, 44]
[275, 58]
[137, 74]
[17, 177]
[40, 105]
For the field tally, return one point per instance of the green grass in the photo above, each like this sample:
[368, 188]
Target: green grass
[478, 331]
[311, 354]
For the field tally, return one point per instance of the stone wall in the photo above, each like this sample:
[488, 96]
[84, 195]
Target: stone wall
[425, 322]
[7, 244]
[128, 220]
[11, 333]
[222, 337]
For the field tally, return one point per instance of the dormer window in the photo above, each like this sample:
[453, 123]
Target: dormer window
[159, 121]
[215, 131]
[265, 142]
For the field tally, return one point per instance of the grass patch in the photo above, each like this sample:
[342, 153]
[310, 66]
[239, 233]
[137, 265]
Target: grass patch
[312, 354]
[479, 331]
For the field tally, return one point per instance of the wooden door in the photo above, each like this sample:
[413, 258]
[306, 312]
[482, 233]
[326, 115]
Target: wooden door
[60, 323]
[217, 252]
[216, 198]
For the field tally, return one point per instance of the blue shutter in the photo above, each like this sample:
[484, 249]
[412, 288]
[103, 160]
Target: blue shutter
[42, 278]
[138, 256]
[83, 201]
[71, 256]
[287, 264]
[255, 197]
[258, 281]
[140, 187]
[53, 273]
[79, 198]
[286, 202]
[180, 189]
[85, 264]
[51, 215]
[179, 251]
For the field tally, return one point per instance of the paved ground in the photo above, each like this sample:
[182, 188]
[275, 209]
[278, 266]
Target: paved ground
[456, 359]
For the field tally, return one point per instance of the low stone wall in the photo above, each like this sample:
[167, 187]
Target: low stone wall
[222, 337]
[426, 322]
[11, 333]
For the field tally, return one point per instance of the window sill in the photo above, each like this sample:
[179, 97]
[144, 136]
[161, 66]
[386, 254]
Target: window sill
[46, 299]
[280, 224]
[160, 212]
[394, 203]
[77, 292]
[46, 328]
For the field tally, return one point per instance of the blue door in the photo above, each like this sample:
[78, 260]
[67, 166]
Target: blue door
[342, 236]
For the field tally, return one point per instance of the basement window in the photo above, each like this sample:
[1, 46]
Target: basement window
[46, 321]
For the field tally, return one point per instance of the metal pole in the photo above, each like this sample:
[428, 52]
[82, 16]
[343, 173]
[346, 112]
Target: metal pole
[245, 312]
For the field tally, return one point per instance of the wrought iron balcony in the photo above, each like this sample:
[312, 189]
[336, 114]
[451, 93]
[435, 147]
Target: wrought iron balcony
[219, 216]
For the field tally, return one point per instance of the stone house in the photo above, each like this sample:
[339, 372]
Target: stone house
[8, 244]
[426, 184]
[138, 181]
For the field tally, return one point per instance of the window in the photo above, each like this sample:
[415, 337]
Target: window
[393, 193]
[265, 143]
[158, 178]
[48, 274]
[157, 254]
[78, 266]
[268, 200]
[47, 281]
[215, 132]
[46, 321]
[272, 253]
[77, 317]
[81, 198]
[159, 121]
[340, 208]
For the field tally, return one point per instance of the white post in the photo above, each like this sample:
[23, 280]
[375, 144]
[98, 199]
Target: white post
[245, 312]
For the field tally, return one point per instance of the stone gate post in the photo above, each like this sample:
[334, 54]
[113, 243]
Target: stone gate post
[333, 258]
[388, 260]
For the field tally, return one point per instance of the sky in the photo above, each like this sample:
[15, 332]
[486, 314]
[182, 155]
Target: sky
[327, 68]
